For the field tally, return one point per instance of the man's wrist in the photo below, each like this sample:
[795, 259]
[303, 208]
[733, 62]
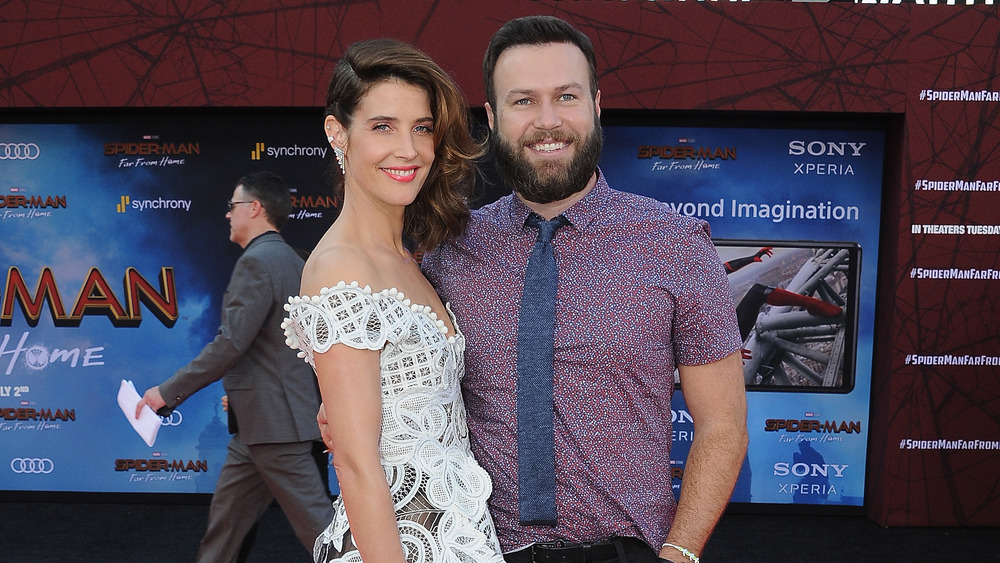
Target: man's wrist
[688, 555]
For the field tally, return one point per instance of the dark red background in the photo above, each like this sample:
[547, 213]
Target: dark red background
[757, 56]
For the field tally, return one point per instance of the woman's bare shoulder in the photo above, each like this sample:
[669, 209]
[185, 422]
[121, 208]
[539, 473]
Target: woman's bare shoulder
[333, 263]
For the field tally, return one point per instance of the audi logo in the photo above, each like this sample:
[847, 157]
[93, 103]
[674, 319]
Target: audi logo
[32, 465]
[19, 151]
[174, 419]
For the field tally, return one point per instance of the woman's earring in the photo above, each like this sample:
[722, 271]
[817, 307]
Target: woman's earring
[329, 140]
[339, 153]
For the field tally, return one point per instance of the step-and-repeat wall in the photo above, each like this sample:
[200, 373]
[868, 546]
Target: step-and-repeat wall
[116, 257]
[116, 278]
[117, 254]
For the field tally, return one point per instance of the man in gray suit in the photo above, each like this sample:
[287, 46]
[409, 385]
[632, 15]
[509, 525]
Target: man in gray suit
[273, 395]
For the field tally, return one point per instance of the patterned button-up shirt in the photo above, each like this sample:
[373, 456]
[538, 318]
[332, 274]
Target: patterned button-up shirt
[641, 289]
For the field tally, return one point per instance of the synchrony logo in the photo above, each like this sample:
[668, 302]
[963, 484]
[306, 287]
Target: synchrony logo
[126, 202]
[19, 151]
[261, 150]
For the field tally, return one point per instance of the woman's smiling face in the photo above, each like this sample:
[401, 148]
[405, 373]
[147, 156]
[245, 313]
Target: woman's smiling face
[389, 147]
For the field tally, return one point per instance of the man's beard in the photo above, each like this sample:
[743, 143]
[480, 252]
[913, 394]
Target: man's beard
[548, 181]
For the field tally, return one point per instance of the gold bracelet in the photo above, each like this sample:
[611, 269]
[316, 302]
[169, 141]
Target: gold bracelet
[684, 551]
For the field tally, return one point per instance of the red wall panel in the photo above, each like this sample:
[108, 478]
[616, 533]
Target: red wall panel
[755, 56]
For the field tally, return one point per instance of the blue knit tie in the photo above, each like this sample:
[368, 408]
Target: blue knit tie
[536, 475]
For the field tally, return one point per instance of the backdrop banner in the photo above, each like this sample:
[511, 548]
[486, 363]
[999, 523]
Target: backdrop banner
[117, 251]
[119, 255]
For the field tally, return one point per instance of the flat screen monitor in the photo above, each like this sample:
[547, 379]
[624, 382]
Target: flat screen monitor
[796, 307]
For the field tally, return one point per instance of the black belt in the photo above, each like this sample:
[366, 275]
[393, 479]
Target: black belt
[566, 552]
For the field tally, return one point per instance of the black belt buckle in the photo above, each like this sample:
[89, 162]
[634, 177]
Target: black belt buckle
[560, 551]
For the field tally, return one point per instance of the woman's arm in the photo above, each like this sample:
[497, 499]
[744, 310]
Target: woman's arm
[351, 388]
[350, 383]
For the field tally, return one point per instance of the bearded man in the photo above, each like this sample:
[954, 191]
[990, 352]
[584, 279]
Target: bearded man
[578, 302]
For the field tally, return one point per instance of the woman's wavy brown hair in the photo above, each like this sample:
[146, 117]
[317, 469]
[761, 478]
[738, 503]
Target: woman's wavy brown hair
[440, 211]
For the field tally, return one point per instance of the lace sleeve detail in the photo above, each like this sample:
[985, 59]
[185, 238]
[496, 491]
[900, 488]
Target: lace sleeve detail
[345, 314]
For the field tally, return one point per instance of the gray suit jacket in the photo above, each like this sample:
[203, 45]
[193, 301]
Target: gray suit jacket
[272, 393]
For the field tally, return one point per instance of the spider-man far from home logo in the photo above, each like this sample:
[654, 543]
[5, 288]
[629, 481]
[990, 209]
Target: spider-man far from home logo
[95, 297]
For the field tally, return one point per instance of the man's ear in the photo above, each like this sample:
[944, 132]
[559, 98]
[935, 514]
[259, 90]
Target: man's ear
[489, 115]
[257, 210]
[597, 103]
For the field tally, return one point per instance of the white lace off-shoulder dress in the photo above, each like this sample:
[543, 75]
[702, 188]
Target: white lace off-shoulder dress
[438, 489]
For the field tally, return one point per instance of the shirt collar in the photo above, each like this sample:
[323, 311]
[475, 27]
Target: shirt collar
[580, 215]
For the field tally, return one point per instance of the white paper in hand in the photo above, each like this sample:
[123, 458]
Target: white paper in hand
[148, 423]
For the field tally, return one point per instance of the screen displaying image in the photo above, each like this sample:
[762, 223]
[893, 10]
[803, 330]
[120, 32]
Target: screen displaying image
[796, 309]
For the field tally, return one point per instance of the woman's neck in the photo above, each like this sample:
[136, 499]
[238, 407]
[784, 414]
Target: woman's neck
[375, 227]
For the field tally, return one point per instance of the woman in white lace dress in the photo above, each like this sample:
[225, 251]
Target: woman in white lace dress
[386, 350]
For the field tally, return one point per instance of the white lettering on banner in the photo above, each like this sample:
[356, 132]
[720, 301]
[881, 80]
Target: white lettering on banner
[700, 209]
[983, 229]
[680, 416]
[781, 211]
[955, 229]
[783, 468]
[785, 438]
[160, 203]
[810, 168]
[954, 274]
[806, 489]
[29, 214]
[825, 148]
[152, 477]
[14, 390]
[659, 166]
[38, 357]
[958, 185]
[304, 214]
[929, 95]
[908, 444]
[682, 436]
[295, 150]
[775, 212]
[140, 162]
[951, 360]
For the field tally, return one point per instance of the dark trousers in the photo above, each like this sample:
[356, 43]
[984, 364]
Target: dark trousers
[633, 553]
[252, 477]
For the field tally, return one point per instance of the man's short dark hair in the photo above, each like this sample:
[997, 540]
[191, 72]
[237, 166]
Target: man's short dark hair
[273, 194]
[535, 30]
